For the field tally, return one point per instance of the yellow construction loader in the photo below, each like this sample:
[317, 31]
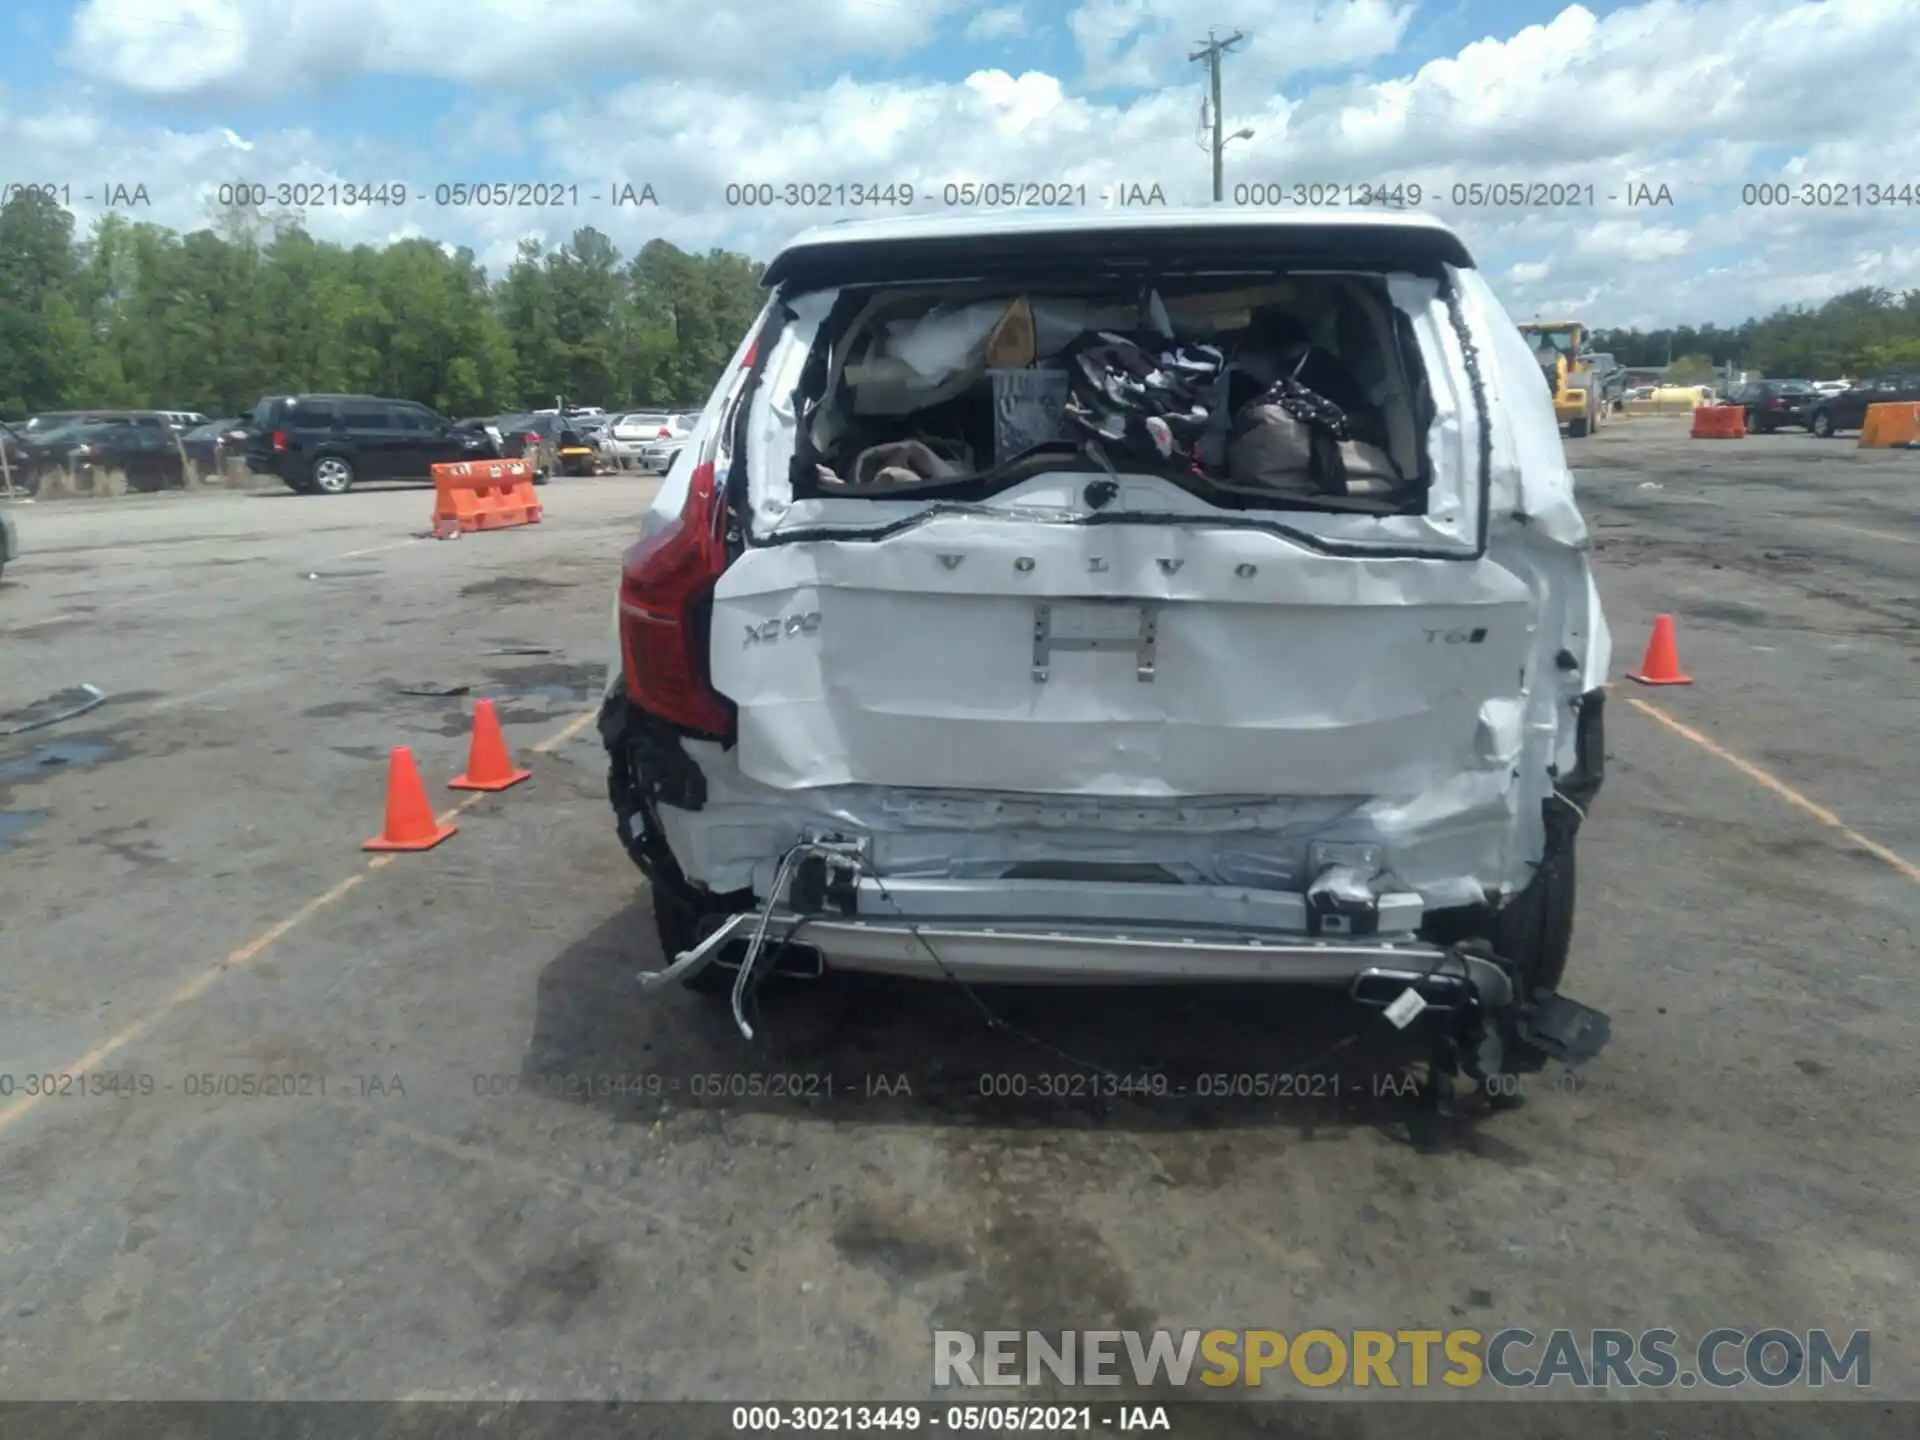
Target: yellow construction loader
[1579, 399]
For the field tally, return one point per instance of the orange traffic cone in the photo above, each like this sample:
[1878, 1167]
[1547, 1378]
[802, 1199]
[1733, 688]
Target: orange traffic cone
[1662, 665]
[410, 822]
[489, 767]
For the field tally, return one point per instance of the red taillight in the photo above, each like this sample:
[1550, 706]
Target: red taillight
[533, 437]
[663, 435]
[666, 586]
[279, 440]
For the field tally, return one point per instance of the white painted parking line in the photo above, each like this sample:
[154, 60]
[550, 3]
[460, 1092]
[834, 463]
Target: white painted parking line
[85, 1064]
[375, 549]
[1870, 534]
[1785, 791]
[248, 682]
[1683, 499]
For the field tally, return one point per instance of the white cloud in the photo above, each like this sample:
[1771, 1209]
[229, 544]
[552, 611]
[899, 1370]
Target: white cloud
[1698, 97]
[267, 47]
[1001, 22]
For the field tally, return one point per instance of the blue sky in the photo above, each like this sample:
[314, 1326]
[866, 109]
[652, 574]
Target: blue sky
[1703, 96]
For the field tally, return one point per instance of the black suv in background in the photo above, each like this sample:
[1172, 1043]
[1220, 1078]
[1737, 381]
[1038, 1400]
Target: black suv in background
[141, 444]
[1848, 409]
[326, 444]
[1771, 404]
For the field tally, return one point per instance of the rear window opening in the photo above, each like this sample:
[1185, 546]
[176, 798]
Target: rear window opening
[1253, 392]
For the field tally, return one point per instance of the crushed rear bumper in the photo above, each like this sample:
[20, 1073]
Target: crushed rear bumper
[1002, 954]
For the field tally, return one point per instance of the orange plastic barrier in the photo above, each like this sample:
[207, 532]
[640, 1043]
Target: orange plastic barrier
[1888, 426]
[483, 495]
[1720, 422]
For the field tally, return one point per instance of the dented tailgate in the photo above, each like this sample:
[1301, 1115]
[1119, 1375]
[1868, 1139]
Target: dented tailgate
[1006, 653]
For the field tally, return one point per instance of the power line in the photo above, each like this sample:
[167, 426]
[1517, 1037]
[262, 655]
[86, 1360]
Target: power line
[1211, 53]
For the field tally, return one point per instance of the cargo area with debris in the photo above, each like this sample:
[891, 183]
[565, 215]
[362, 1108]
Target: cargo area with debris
[1232, 392]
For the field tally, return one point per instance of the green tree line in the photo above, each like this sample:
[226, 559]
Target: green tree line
[1863, 332]
[138, 316]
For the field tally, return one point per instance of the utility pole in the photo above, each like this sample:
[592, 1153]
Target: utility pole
[1211, 53]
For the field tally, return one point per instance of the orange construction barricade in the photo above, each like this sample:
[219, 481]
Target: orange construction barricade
[1720, 422]
[1888, 427]
[483, 495]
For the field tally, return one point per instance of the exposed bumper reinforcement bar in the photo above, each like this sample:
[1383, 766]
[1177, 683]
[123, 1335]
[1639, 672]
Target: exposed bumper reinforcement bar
[1374, 971]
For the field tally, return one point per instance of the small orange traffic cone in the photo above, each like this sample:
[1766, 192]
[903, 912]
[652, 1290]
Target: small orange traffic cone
[410, 822]
[1662, 665]
[489, 767]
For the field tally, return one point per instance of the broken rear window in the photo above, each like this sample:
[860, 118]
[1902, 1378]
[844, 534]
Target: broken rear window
[1304, 391]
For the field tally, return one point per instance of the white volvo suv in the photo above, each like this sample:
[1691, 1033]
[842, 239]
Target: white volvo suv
[1167, 596]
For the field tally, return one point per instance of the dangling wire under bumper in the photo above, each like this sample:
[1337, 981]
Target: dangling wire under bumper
[707, 952]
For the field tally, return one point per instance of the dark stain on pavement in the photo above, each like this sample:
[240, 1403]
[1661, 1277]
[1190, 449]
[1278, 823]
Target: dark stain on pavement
[15, 823]
[555, 1289]
[340, 709]
[510, 587]
[46, 761]
[47, 629]
[128, 844]
[1728, 612]
[548, 677]
[897, 1246]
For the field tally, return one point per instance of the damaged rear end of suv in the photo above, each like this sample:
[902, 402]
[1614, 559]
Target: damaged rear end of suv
[1117, 599]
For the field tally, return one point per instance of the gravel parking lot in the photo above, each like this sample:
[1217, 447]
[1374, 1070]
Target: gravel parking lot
[509, 1187]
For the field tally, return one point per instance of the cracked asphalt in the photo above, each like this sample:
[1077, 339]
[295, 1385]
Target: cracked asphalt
[505, 1173]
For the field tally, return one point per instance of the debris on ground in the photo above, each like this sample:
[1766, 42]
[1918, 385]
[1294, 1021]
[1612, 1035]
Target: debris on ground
[62, 705]
[432, 691]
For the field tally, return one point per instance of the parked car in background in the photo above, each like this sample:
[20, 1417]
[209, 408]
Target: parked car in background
[53, 432]
[1832, 387]
[1848, 410]
[13, 458]
[519, 440]
[46, 420]
[1773, 404]
[492, 429]
[596, 430]
[142, 446]
[642, 429]
[209, 443]
[327, 444]
[49, 420]
[184, 419]
[561, 448]
[657, 456]
[637, 429]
